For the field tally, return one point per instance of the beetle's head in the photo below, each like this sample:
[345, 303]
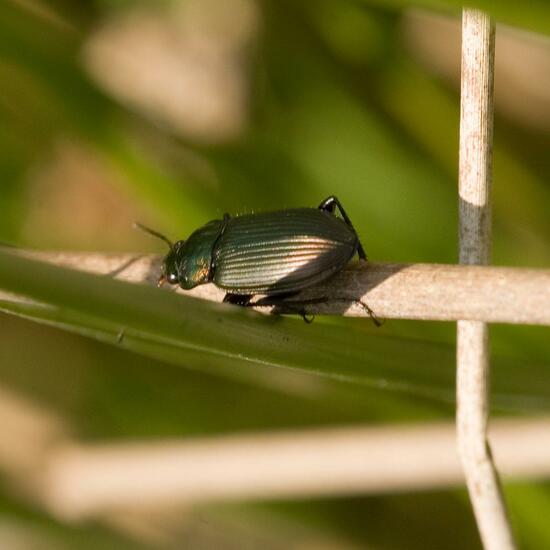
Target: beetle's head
[184, 267]
[188, 263]
[192, 259]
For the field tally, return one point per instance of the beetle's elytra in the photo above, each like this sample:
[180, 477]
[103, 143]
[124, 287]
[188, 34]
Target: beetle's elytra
[272, 253]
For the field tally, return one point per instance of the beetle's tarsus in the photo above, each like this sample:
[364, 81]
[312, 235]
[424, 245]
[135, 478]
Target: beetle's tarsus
[308, 319]
[120, 336]
[375, 319]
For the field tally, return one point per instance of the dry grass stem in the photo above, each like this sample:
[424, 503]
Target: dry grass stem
[72, 479]
[475, 167]
[401, 291]
[85, 480]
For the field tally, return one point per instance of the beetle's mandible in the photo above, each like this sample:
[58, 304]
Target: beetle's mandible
[271, 253]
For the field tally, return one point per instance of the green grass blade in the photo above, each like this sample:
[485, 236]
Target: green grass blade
[233, 342]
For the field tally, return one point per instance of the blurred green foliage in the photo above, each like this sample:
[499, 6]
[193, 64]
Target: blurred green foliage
[338, 105]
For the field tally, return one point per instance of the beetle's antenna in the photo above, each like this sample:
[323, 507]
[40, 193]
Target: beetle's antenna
[146, 229]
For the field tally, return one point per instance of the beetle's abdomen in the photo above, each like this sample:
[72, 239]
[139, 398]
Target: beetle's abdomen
[278, 252]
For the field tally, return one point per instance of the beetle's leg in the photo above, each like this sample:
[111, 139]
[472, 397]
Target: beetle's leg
[244, 301]
[308, 319]
[375, 319]
[237, 299]
[282, 304]
[329, 205]
[298, 306]
[274, 299]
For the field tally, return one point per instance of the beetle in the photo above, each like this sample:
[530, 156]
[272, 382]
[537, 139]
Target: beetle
[275, 254]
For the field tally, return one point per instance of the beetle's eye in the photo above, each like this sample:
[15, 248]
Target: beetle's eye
[172, 278]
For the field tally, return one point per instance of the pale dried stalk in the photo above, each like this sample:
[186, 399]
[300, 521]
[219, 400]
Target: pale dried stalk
[83, 480]
[72, 479]
[475, 166]
[402, 291]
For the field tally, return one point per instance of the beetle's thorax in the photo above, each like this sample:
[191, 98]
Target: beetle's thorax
[194, 257]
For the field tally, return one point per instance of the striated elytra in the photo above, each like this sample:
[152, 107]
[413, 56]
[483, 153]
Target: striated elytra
[275, 254]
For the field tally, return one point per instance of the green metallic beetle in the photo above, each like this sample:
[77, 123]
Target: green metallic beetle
[275, 254]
